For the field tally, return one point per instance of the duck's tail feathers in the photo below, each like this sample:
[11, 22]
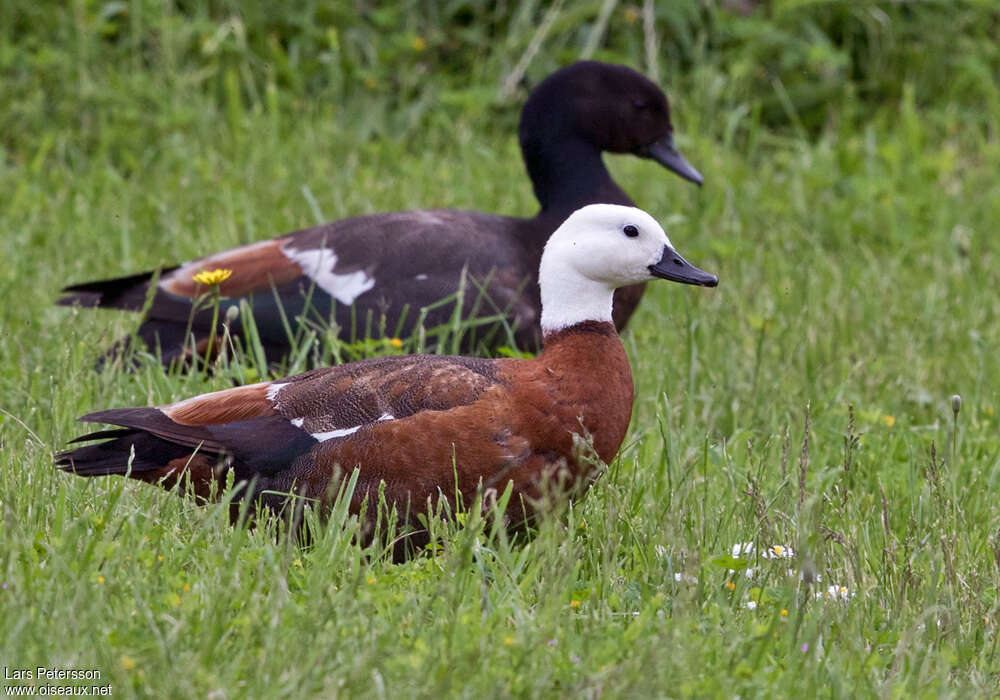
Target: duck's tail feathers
[122, 451]
[147, 440]
[127, 293]
[149, 447]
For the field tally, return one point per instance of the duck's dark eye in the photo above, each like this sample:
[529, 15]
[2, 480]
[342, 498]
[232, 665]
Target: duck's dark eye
[631, 231]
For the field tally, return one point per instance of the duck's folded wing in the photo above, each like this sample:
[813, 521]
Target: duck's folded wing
[338, 401]
[344, 259]
[354, 271]
[261, 429]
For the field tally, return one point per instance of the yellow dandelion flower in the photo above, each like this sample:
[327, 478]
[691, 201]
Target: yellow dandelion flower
[989, 410]
[395, 342]
[784, 612]
[889, 421]
[211, 277]
[574, 603]
[418, 43]
[730, 585]
[128, 663]
[100, 579]
[175, 600]
[631, 15]
[187, 587]
[159, 557]
[508, 640]
[370, 580]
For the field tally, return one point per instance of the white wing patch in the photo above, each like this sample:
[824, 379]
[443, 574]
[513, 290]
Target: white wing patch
[320, 263]
[342, 432]
[330, 434]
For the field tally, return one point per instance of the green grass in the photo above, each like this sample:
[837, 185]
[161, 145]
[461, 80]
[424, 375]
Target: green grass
[859, 274]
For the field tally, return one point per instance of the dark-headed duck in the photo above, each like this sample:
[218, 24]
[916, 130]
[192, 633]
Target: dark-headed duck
[398, 263]
[422, 425]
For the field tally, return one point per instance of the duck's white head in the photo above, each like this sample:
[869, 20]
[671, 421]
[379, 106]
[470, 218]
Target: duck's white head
[596, 250]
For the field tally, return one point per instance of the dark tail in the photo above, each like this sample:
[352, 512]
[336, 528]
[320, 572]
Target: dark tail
[151, 448]
[154, 439]
[127, 293]
[115, 454]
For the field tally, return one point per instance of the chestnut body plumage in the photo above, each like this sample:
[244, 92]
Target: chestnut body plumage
[358, 270]
[423, 425]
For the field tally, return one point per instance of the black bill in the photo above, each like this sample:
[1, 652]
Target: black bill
[666, 154]
[675, 268]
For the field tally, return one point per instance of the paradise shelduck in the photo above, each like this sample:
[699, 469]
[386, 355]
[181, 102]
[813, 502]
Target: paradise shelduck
[392, 265]
[418, 427]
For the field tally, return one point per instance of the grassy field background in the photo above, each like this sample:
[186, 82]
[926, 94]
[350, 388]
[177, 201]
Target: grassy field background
[850, 152]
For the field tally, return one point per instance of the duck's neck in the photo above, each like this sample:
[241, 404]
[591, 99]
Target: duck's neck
[569, 299]
[603, 329]
[568, 173]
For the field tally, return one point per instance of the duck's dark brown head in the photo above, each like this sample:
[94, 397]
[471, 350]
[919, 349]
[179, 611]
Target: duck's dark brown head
[608, 107]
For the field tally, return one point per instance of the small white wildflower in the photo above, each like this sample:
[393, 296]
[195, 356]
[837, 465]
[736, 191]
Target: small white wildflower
[681, 578]
[748, 572]
[751, 605]
[836, 593]
[742, 549]
[778, 551]
[678, 577]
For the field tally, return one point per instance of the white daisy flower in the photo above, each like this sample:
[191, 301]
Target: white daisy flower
[778, 551]
[835, 593]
